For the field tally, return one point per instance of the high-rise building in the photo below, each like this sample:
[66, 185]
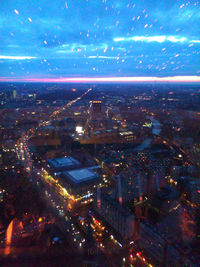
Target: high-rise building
[118, 217]
[97, 117]
[14, 94]
[96, 106]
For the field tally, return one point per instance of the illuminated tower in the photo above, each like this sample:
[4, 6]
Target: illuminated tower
[96, 107]
[97, 118]
[14, 94]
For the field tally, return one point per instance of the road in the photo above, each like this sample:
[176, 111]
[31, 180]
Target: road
[56, 203]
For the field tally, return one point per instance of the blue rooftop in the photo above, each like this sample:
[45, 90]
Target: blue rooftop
[81, 175]
[63, 163]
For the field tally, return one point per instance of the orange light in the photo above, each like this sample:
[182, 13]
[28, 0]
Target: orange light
[21, 225]
[40, 219]
[9, 233]
[120, 200]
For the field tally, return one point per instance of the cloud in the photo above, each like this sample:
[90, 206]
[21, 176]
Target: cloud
[156, 38]
[16, 57]
[195, 41]
[104, 57]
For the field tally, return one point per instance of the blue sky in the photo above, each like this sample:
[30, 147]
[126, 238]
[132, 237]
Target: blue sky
[99, 38]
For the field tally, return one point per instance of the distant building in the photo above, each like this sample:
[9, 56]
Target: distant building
[14, 94]
[96, 106]
[128, 136]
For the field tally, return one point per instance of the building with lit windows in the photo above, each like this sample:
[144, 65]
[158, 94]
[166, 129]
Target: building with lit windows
[127, 137]
[96, 106]
[14, 94]
[118, 217]
[161, 248]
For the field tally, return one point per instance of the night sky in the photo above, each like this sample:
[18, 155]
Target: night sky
[99, 38]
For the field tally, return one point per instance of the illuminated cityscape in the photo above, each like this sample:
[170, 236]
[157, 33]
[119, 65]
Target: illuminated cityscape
[100, 133]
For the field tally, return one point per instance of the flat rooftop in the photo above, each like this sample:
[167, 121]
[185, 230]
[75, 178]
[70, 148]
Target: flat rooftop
[81, 175]
[65, 162]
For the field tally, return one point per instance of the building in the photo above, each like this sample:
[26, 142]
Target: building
[152, 242]
[138, 184]
[194, 189]
[157, 246]
[97, 119]
[127, 137]
[80, 183]
[14, 94]
[96, 106]
[63, 164]
[165, 200]
[132, 187]
[119, 218]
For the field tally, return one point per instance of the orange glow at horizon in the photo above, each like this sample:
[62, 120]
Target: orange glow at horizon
[175, 79]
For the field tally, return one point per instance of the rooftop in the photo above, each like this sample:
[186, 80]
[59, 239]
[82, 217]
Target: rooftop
[81, 175]
[65, 162]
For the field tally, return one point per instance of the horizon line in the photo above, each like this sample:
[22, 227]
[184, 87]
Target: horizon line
[129, 79]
